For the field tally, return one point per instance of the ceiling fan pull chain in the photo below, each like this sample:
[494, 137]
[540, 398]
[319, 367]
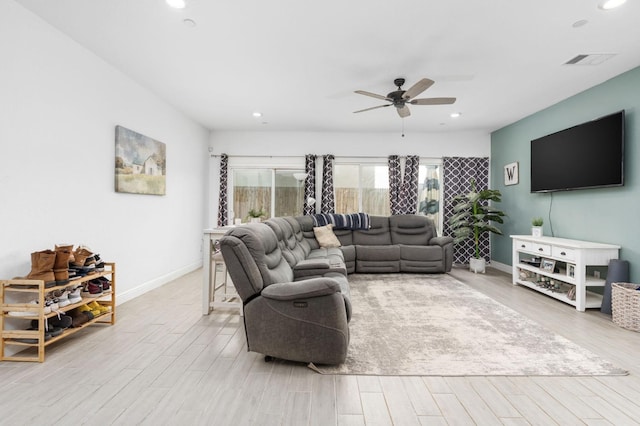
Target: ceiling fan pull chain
[403, 127]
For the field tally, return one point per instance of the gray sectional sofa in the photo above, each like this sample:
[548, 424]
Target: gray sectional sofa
[296, 293]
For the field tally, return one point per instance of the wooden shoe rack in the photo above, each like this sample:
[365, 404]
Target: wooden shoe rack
[36, 290]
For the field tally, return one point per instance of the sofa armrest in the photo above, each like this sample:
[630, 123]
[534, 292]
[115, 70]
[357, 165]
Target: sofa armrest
[440, 241]
[314, 287]
[318, 263]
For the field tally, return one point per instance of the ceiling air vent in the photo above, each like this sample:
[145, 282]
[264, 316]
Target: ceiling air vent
[589, 59]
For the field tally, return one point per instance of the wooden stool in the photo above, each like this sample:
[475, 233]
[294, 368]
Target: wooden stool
[223, 294]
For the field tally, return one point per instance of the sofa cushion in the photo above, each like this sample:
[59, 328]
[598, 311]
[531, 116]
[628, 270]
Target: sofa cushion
[421, 253]
[378, 253]
[325, 236]
[303, 243]
[376, 235]
[411, 229]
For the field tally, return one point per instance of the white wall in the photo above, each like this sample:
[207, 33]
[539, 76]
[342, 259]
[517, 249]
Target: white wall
[294, 145]
[59, 105]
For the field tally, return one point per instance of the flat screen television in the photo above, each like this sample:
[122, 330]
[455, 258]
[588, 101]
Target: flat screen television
[589, 155]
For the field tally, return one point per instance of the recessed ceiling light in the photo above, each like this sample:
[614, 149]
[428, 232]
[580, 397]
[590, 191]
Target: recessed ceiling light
[610, 4]
[177, 4]
[455, 114]
[257, 114]
[580, 23]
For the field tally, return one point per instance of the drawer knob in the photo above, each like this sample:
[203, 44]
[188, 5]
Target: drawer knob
[563, 253]
[540, 249]
[522, 246]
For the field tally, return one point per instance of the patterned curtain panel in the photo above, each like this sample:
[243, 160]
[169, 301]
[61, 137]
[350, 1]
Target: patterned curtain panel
[309, 183]
[457, 173]
[408, 199]
[395, 184]
[328, 204]
[223, 208]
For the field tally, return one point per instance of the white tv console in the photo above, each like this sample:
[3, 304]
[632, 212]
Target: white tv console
[571, 257]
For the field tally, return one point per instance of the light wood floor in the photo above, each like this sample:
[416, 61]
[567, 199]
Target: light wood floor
[165, 363]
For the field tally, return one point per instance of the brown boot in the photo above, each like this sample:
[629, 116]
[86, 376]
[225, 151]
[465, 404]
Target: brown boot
[61, 266]
[81, 254]
[68, 247]
[42, 267]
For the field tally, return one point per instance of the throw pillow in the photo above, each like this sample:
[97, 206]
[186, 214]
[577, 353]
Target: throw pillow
[325, 236]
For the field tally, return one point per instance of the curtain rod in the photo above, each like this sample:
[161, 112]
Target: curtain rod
[303, 156]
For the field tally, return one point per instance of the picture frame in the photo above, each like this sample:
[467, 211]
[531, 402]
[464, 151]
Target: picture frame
[571, 270]
[140, 163]
[548, 265]
[511, 174]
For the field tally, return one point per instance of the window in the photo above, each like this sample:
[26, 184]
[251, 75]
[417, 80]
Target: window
[277, 192]
[429, 194]
[362, 188]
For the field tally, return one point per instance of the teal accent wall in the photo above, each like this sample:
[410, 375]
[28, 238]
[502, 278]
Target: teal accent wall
[606, 215]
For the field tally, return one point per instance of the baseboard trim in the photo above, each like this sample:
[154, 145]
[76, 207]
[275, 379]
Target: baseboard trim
[156, 282]
[501, 266]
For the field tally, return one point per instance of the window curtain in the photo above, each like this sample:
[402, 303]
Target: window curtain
[223, 208]
[409, 189]
[403, 192]
[328, 204]
[457, 174]
[309, 184]
[394, 184]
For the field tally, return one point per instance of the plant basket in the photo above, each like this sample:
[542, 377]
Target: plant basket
[625, 305]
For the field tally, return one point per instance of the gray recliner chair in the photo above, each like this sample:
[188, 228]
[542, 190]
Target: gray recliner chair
[304, 320]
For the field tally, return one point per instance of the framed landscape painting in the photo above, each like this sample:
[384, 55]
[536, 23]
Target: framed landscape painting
[141, 162]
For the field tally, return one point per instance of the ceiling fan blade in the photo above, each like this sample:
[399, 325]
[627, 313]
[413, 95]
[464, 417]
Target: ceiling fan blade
[432, 101]
[373, 95]
[404, 111]
[375, 107]
[418, 88]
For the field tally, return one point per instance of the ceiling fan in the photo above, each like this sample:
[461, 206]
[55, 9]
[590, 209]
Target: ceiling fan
[400, 98]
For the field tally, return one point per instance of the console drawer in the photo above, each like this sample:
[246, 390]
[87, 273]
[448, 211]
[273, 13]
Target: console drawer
[563, 253]
[535, 248]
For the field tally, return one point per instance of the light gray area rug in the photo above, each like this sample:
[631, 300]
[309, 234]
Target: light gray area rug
[434, 325]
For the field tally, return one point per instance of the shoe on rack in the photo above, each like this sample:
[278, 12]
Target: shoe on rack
[106, 284]
[89, 310]
[80, 317]
[95, 306]
[60, 320]
[74, 295]
[80, 256]
[32, 341]
[34, 304]
[63, 298]
[48, 328]
[92, 288]
[42, 263]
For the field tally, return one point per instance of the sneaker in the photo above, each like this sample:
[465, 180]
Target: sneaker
[95, 306]
[63, 298]
[106, 284]
[33, 341]
[74, 295]
[33, 304]
[89, 310]
[92, 288]
[52, 301]
[61, 321]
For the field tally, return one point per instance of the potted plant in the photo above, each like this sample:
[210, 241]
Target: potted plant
[472, 218]
[536, 226]
[255, 215]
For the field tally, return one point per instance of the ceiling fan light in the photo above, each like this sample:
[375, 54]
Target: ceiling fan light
[610, 4]
[177, 4]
